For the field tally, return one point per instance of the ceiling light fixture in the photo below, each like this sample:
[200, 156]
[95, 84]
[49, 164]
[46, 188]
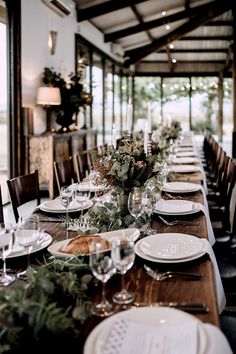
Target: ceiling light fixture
[174, 61]
[163, 13]
[171, 46]
[167, 27]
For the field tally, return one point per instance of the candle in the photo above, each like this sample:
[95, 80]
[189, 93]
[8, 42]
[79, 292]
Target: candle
[129, 115]
[149, 118]
[145, 142]
[114, 136]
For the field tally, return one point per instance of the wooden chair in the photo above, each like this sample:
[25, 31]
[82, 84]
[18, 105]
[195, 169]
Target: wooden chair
[23, 189]
[65, 173]
[82, 163]
[1, 207]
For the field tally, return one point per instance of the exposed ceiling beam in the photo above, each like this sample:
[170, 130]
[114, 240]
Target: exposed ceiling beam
[103, 8]
[228, 59]
[198, 50]
[171, 66]
[219, 23]
[206, 38]
[140, 19]
[112, 36]
[138, 53]
[210, 61]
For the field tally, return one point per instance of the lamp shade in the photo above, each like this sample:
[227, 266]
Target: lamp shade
[49, 96]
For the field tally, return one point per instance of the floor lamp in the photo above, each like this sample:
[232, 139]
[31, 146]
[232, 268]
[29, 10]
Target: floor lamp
[48, 96]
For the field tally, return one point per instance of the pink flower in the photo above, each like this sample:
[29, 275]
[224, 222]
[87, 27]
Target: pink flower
[140, 164]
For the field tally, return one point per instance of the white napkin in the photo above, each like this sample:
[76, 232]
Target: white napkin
[129, 337]
[211, 236]
[174, 206]
[220, 294]
[185, 168]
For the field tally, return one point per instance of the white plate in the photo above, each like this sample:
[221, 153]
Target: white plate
[171, 246]
[176, 207]
[86, 186]
[110, 236]
[180, 187]
[185, 160]
[145, 256]
[54, 206]
[184, 168]
[186, 153]
[160, 316]
[42, 243]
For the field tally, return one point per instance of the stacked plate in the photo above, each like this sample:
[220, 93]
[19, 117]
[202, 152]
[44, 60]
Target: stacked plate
[185, 160]
[176, 207]
[184, 168]
[180, 187]
[55, 206]
[170, 248]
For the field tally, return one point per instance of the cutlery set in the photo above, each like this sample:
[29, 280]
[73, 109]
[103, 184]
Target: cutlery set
[160, 276]
[178, 222]
[184, 306]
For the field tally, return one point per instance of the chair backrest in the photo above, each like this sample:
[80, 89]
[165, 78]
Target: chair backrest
[64, 172]
[23, 189]
[82, 163]
[1, 207]
[228, 190]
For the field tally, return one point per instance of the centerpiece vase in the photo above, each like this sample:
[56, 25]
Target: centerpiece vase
[122, 199]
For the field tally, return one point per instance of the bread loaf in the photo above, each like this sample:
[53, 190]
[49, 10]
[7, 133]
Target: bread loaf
[80, 244]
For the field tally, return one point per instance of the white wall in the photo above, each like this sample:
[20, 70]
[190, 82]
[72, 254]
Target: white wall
[37, 21]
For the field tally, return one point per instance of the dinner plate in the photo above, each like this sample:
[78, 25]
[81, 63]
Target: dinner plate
[86, 186]
[176, 207]
[43, 242]
[171, 246]
[161, 317]
[180, 187]
[55, 206]
[145, 256]
[186, 153]
[132, 233]
[185, 160]
[184, 168]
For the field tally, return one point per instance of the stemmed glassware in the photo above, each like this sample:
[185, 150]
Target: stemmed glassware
[123, 256]
[6, 244]
[28, 233]
[135, 206]
[82, 196]
[66, 197]
[149, 200]
[102, 268]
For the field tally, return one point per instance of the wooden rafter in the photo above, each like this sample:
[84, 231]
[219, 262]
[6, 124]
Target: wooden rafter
[203, 9]
[199, 50]
[103, 8]
[206, 38]
[137, 54]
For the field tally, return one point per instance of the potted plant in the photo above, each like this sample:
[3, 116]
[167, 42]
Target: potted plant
[72, 96]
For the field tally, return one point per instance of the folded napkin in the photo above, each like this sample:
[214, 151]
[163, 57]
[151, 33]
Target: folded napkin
[130, 337]
[184, 168]
[174, 206]
[220, 294]
[210, 232]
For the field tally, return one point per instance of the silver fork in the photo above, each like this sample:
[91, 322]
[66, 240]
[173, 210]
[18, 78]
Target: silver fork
[178, 222]
[172, 274]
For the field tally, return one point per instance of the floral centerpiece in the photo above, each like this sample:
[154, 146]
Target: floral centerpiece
[73, 96]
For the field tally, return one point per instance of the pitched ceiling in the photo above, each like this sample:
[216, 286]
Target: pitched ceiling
[165, 36]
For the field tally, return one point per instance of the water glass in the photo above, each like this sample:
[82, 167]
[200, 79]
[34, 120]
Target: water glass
[149, 202]
[103, 268]
[135, 206]
[66, 197]
[6, 244]
[123, 256]
[28, 233]
[82, 196]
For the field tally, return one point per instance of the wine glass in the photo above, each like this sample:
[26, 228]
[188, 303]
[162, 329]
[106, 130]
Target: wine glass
[149, 202]
[82, 196]
[66, 197]
[28, 233]
[123, 256]
[103, 268]
[135, 204]
[94, 180]
[6, 243]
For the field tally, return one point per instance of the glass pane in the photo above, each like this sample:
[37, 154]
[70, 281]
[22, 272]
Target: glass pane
[108, 101]
[97, 76]
[117, 102]
[4, 154]
[176, 101]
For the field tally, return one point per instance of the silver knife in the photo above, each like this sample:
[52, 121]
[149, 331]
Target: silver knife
[158, 276]
[188, 307]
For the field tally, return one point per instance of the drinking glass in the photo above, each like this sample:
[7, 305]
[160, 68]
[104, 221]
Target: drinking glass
[103, 268]
[123, 256]
[82, 196]
[149, 202]
[66, 197]
[28, 233]
[135, 204]
[94, 181]
[6, 243]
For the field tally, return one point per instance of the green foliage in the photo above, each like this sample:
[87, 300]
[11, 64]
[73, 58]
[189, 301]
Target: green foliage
[48, 312]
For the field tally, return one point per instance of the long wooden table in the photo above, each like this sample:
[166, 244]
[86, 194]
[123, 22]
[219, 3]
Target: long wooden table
[145, 288]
